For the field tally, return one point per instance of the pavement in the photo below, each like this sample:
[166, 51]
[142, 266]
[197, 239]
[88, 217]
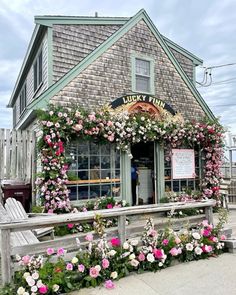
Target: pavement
[211, 276]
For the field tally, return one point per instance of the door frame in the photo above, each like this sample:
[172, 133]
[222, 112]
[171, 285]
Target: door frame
[159, 175]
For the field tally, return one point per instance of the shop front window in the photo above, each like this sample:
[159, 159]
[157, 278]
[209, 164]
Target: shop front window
[94, 171]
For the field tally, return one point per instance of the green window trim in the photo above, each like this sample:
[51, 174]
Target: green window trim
[134, 57]
[38, 70]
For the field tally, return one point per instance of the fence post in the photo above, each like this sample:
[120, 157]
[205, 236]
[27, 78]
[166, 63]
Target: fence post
[209, 214]
[5, 247]
[121, 228]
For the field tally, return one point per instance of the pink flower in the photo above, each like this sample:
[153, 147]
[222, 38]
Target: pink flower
[109, 284]
[81, 268]
[109, 206]
[165, 242]
[50, 251]
[70, 225]
[115, 242]
[152, 233]
[85, 209]
[158, 253]
[206, 232]
[206, 248]
[69, 266]
[174, 251]
[60, 252]
[43, 289]
[177, 240]
[223, 237]
[25, 259]
[50, 211]
[105, 263]
[94, 272]
[141, 256]
[109, 123]
[89, 237]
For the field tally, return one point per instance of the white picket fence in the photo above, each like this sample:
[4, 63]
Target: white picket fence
[17, 155]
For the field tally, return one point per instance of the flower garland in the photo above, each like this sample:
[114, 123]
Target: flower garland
[60, 126]
[105, 261]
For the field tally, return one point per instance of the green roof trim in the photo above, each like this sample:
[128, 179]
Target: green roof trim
[49, 20]
[44, 98]
[196, 60]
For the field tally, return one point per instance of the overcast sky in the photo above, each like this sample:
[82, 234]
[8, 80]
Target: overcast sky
[206, 28]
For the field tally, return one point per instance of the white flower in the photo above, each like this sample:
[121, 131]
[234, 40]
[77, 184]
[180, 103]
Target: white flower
[20, 291]
[160, 264]
[112, 253]
[198, 250]
[132, 256]
[134, 242]
[196, 236]
[26, 274]
[39, 283]
[134, 262]
[98, 267]
[34, 289]
[55, 287]
[74, 260]
[189, 247]
[114, 275]
[26, 293]
[150, 257]
[35, 275]
[126, 245]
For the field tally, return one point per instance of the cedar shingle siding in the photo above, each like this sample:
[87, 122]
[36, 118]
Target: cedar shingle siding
[110, 75]
[72, 43]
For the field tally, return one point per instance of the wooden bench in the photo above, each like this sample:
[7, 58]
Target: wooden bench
[69, 243]
[224, 190]
[16, 211]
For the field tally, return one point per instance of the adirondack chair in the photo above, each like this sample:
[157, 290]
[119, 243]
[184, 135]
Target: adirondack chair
[16, 212]
[224, 190]
[17, 238]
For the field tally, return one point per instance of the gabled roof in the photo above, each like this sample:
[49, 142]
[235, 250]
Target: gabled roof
[44, 98]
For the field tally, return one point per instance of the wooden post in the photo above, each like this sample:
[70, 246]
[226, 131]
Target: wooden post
[121, 228]
[209, 214]
[5, 247]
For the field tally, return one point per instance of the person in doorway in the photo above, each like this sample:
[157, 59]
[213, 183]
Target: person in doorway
[134, 180]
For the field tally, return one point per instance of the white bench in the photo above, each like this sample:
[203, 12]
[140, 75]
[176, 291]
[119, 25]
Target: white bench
[224, 190]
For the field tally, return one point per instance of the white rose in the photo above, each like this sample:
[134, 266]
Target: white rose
[198, 250]
[150, 258]
[112, 253]
[26, 293]
[26, 274]
[196, 236]
[35, 275]
[98, 267]
[134, 242]
[126, 245]
[134, 262]
[55, 287]
[132, 256]
[39, 283]
[20, 291]
[34, 289]
[114, 275]
[160, 264]
[189, 247]
[74, 260]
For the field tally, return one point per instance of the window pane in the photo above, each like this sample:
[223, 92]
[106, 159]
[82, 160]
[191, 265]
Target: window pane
[94, 162]
[83, 174]
[142, 84]
[105, 162]
[73, 193]
[105, 149]
[105, 173]
[35, 76]
[106, 190]
[83, 149]
[94, 149]
[94, 173]
[115, 190]
[82, 162]
[40, 78]
[94, 191]
[83, 192]
[142, 67]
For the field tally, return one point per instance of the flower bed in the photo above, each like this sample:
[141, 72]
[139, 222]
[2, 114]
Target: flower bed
[104, 262]
[60, 126]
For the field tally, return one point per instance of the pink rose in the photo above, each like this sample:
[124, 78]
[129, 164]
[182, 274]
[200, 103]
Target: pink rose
[70, 225]
[43, 289]
[177, 240]
[50, 251]
[94, 272]
[174, 251]
[69, 266]
[89, 237]
[165, 242]
[81, 268]
[50, 211]
[158, 253]
[206, 248]
[105, 263]
[141, 256]
[223, 237]
[206, 233]
[25, 259]
[60, 252]
[109, 206]
[115, 242]
[109, 284]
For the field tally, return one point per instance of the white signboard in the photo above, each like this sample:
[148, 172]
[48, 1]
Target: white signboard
[183, 163]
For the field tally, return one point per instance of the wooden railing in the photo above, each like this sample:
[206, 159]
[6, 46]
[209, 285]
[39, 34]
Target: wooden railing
[70, 243]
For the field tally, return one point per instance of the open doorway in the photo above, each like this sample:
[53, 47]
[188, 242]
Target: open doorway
[142, 173]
